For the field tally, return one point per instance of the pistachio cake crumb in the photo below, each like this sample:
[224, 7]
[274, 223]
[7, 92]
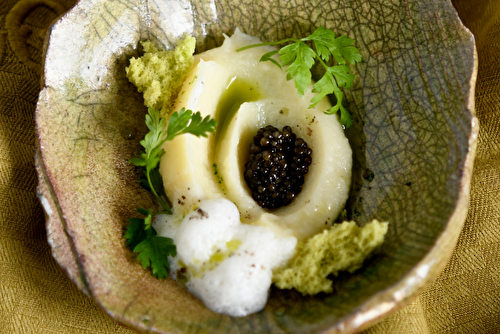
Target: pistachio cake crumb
[343, 247]
[160, 74]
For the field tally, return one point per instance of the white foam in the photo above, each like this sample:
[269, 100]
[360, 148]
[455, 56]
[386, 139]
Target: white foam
[239, 285]
[207, 228]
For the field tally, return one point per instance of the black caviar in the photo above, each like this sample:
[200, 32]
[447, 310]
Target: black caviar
[278, 164]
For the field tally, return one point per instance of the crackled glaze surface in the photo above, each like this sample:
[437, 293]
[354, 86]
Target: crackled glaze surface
[413, 137]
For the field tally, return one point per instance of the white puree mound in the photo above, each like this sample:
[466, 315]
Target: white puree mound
[198, 169]
[187, 167]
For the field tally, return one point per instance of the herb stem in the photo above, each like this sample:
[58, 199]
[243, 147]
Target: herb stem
[322, 63]
[286, 40]
[162, 202]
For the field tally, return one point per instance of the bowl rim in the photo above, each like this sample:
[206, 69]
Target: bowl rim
[372, 310]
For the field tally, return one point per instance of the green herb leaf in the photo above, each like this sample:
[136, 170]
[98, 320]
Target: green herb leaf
[157, 181]
[343, 50]
[135, 232]
[300, 57]
[323, 40]
[154, 252]
[323, 87]
[145, 212]
[268, 57]
[342, 75]
[149, 217]
[345, 116]
[187, 122]
[156, 135]
[138, 161]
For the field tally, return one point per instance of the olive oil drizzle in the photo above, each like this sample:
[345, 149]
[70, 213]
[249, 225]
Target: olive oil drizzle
[237, 92]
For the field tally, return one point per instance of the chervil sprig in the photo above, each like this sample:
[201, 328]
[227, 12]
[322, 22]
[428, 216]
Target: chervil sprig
[153, 250]
[300, 57]
[140, 235]
[179, 123]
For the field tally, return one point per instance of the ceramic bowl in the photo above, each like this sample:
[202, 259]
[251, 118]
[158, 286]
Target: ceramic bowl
[414, 139]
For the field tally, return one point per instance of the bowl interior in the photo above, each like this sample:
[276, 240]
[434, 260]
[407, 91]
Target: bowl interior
[412, 105]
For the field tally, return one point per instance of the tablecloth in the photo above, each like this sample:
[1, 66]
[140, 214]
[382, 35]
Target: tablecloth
[37, 297]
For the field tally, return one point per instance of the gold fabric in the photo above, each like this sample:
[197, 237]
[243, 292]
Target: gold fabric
[37, 297]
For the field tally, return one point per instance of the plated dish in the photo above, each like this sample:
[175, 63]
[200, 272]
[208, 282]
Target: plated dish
[413, 139]
[251, 204]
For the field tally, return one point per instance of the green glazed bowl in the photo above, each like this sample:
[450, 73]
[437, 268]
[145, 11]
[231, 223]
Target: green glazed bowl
[414, 139]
